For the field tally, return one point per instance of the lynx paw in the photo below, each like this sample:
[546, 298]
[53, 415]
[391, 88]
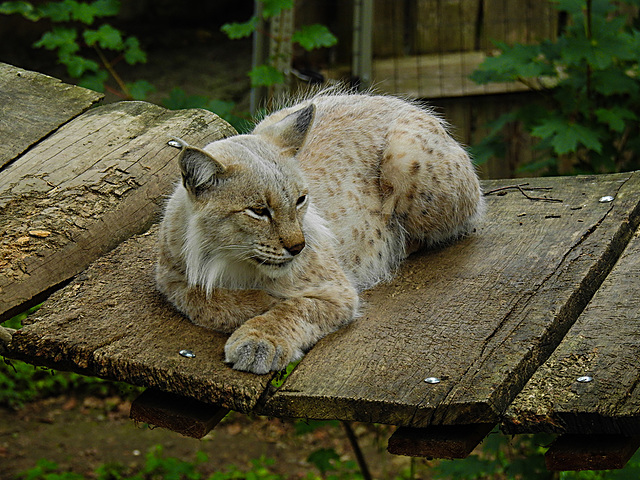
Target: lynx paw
[250, 350]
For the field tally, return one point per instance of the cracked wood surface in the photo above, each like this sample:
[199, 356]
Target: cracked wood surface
[604, 344]
[481, 314]
[33, 105]
[84, 189]
[111, 322]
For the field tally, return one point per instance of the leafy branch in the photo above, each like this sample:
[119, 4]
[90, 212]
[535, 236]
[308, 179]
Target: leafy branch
[71, 35]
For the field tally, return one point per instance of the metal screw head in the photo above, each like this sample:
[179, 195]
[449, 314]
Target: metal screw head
[606, 199]
[187, 353]
[432, 380]
[585, 379]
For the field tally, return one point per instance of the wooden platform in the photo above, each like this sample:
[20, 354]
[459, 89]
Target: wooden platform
[495, 329]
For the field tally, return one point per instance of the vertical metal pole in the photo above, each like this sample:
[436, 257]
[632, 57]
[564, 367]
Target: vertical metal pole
[362, 57]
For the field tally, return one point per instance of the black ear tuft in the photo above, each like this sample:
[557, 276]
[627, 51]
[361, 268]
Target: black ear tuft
[200, 171]
[290, 132]
[304, 119]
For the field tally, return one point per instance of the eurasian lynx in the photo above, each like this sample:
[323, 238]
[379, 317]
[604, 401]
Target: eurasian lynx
[272, 235]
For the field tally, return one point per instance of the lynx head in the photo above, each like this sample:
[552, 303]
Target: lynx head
[247, 203]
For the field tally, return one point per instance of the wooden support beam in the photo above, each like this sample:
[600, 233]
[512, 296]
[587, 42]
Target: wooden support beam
[590, 452]
[183, 415]
[441, 441]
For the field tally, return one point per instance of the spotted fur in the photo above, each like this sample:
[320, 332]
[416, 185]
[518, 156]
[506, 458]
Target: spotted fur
[270, 236]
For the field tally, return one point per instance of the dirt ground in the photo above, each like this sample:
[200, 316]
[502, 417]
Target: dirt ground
[79, 434]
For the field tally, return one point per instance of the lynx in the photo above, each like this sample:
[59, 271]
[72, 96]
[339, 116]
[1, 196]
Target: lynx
[271, 235]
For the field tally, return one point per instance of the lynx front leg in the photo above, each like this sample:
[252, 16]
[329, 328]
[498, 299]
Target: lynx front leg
[222, 309]
[280, 336]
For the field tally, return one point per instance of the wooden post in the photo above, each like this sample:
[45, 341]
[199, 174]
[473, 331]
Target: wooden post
[281, 50]
[362, 42]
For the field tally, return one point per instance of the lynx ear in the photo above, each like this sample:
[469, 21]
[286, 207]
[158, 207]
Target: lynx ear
[200, 171]
[290, 132]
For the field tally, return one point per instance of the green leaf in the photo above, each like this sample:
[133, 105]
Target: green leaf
[615, 81]
[106, 37]
[58, 11]
[132, 52]
[565, 137]
[63, 38]
[271, 8]
[615, 117]
[95, 82]
[322, 459]
[26, 9]
[265, 76]
[240, 30]
[514, 63]
[140, 89]
[106, 8]
[84, 13]
[314, 36]
[78, 66]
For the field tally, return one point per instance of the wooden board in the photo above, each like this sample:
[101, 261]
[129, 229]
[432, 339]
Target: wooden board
[33, 105]
[111, 322]
[604, 345]
[440, 441]
[431, 76]
[590, 452]
[177, 413]
[84, 189]
[481, 315]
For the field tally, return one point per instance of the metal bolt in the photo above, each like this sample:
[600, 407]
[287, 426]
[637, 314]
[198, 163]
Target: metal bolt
[585, 379]
[187, 353]
[432, 380]
[174, 144]
[606, 199]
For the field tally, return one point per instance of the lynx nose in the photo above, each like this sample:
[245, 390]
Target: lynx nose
[295, 249]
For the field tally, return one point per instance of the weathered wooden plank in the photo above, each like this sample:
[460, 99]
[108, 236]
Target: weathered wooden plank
[481, 315]
[33, 105]
[435, 76]
[590, 452]
[439, 441]
[183, 415]
[80, 192]
[111, 322]
[603, 345]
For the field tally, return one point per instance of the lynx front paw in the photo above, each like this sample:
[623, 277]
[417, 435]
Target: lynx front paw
[250, 350]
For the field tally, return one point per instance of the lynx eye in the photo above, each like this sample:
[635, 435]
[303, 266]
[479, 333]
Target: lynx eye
[301, 201]
[261, 213]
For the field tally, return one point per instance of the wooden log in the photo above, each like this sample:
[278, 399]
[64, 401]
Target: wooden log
[183, 415]
[590, 452]
[448, 442]
[33, 105]
[481, 315]
[590, 382]
[84, 189]
[111, 322]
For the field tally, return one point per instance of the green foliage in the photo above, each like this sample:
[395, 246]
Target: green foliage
[157, 466]
[590, 80]
[308, 37]
[226, 110]
[71, 38]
